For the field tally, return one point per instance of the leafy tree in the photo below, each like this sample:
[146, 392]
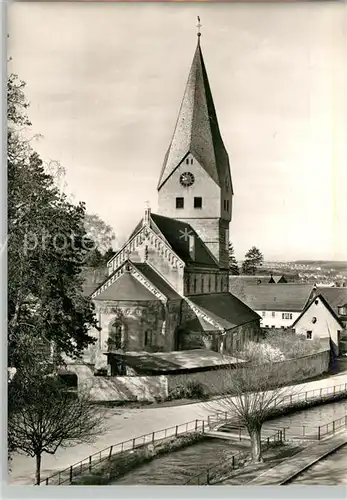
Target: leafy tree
[233, 265]
[47, 246]
[253, 260]
[99, 232]
[47, 416]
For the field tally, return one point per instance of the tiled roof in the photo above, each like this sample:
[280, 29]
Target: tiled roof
[224, 308]
[156, 280]
[126, 287]
[176, 360]
[278, 297]
[197, 131]
[335, 296]
[176, 233]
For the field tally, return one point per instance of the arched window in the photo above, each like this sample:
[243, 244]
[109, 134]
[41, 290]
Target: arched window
[148, 338]
[116, 335]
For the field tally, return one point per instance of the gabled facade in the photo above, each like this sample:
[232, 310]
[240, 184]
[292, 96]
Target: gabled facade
[319, 321]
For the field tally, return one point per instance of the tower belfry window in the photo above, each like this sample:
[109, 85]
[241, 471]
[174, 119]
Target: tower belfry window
[197, 202]
[179, 202]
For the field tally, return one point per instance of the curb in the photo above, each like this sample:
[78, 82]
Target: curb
[313, 462]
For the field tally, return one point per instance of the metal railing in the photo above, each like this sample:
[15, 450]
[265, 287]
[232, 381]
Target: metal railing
[331, 427]
[86, 465]
[287, 400]
[216, 472]
[67, 475]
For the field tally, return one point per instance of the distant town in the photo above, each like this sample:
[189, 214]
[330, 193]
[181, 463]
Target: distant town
[329, 273]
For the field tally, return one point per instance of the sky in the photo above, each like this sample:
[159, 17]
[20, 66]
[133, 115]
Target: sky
[105, 83]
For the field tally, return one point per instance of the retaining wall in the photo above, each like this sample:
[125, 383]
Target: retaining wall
[289, 371]
[126, 388]
[150, 388]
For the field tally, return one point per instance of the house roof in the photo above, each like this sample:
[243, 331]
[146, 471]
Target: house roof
[335, 296]
[172, 361]
[197, 131]
[225, 309]
[156, 280]
[325, 302]
[275, 297]
[235, 282]
[126, 287]
[176, 233]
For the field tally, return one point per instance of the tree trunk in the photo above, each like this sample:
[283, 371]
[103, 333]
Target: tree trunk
[38, 468]
[255, 435]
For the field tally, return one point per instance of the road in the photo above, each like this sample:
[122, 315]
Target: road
[124, 424]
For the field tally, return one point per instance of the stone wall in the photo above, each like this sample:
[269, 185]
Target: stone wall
[126, 388]
[219, 381]
[213, 382]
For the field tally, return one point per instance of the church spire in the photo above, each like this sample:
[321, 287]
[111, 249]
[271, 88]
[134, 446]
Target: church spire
[197, 131]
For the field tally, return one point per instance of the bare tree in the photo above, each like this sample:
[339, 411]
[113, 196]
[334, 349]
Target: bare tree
[47, 416]
[249, 392]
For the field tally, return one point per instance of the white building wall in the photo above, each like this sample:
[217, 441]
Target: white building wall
[319, 320]
[277, 319]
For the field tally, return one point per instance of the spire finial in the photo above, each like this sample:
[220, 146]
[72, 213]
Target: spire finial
[199, 25]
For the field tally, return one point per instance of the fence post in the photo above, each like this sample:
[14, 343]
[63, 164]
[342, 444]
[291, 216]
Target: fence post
[233, 461]
[110, 455]
[208, 477]
[203, 426]
[284, 433]
[334, 389]
[334, 427]
[196, 424]
[176, 431]
[46, 481]
[291, 399]
[268, 441]
[59, 478]
[153, 434]
[320, 392]
[90, 463]
[70, 473]
[319, 433]
[134, 443]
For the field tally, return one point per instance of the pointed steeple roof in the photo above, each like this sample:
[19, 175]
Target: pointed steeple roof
[197, 131]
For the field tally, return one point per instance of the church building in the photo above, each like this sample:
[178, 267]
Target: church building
[168, 286]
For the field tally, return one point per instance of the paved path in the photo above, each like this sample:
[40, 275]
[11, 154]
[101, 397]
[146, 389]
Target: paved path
[288, 469]
[125, 424]
[330, 471]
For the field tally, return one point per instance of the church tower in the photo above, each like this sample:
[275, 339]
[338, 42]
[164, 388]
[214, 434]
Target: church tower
[195, 183]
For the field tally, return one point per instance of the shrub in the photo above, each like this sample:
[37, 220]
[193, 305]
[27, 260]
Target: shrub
[193, 390]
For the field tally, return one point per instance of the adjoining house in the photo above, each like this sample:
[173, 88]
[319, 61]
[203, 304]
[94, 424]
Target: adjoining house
[278, 305]
[336, 297]
[319, 321]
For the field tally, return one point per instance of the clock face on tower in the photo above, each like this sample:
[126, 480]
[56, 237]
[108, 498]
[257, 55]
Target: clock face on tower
[187, 179]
